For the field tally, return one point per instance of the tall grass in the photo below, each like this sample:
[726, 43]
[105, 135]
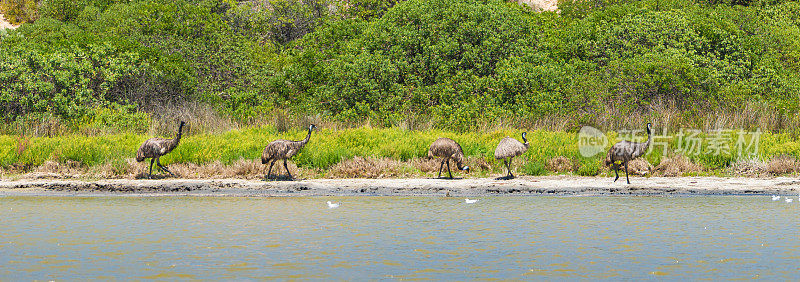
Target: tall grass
[329, 147]
[205, 119]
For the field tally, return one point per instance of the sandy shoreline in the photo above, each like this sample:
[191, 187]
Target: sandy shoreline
[547, 185]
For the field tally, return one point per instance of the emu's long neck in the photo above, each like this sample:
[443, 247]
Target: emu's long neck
[642, 147]
[308, 136]
[177, 139]
[300, 144]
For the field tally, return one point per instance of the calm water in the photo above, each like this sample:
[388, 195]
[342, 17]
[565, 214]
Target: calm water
[57, 238]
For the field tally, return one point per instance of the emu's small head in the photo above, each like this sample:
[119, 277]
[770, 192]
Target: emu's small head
[312, 127]
[649, 125]
[524, 134]
[465, 168]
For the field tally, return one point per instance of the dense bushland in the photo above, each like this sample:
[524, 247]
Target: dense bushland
[106, 65]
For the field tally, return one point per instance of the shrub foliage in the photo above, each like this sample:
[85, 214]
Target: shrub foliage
[454, 63]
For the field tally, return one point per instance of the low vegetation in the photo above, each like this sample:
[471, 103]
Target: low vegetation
[378, 153]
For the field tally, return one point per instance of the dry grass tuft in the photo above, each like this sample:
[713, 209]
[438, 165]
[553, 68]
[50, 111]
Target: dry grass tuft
[211, 170]
[199, 117]
[104, 171]
[751, 167]
[254, 169]
[430, 166]
[284, 120]
[51, 170]
[414, 121]
[242, 168]
[783, 164]
[370, 167]
[47, 125]
[676, 166]
[560, 164]
[665, 114]
[66, 169]
[17, 169]
[479, 164]
[130, 169]
[426, 165]
[640, 166]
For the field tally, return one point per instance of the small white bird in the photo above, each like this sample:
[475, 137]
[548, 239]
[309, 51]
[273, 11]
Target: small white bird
[332, 205]
[789, 200]
[468, 201]
[775, 198]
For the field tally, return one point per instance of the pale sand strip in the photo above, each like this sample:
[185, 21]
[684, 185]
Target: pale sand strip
[548, 185]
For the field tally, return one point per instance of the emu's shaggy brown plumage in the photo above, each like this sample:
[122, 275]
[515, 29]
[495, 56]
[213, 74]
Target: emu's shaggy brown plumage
[283, 150]
[626, 151]
[154, 148]
[447, 149]
[508, 148]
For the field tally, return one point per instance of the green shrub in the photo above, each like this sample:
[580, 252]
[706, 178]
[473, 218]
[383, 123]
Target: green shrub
[19, 11]
[111, 119]
[533, 168]
[589, 167]
[445, 64]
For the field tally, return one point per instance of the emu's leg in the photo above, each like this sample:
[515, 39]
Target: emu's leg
[440, 168]
[508, 167]
[510, 162]
[505, 161]
[616, 170]
[269, 171]
[448, 169]
[158, 162]
[626, 173]
[287, 169]
[150, 174]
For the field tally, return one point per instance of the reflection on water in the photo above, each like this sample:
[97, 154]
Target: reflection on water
[57, 238]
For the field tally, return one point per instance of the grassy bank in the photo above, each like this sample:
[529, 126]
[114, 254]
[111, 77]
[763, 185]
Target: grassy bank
[391, 152]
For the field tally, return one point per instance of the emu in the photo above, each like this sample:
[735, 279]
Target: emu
[510, 148]
[447, 149]
[625, 151]
[154, 148]
[283, 150]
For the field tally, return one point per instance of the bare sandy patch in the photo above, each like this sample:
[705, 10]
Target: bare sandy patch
[534, 186]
